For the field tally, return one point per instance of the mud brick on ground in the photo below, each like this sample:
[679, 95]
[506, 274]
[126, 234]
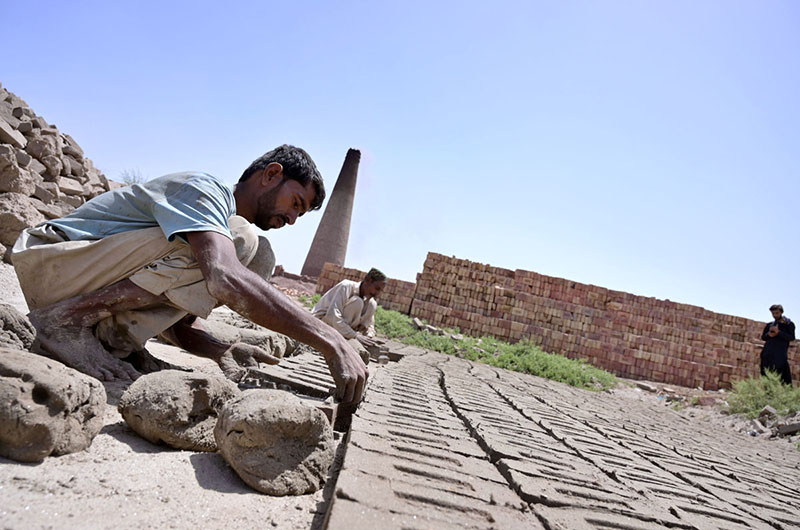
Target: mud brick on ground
[456, 443]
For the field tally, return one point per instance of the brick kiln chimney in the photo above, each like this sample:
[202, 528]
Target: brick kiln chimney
[330, 241]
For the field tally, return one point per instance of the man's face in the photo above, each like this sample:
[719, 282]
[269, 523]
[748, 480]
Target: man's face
[777, 314]
[283, 204]
[373, 289]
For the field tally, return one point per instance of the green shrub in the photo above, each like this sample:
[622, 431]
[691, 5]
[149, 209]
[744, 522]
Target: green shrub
[309, 301]
[751, 395]
[523, 356]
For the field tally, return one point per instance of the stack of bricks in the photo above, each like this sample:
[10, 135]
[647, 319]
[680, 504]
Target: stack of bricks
[632, 336]
[397, 295]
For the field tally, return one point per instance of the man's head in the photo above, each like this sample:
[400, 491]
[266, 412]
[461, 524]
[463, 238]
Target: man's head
[278, 187]
[373, 283]
[777, 311]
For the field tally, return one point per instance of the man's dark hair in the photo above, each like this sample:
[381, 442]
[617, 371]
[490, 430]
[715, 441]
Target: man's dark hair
[374, 275]
[779, 307]
[297, 165]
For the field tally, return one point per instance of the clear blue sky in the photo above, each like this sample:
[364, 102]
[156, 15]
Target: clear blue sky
[651, 147]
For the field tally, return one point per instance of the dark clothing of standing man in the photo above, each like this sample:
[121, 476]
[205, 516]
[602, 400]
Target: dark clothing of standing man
[777, 336]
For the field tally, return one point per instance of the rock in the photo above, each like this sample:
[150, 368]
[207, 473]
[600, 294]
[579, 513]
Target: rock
[47, 192]
[70, 186]
[6, 112]
[73, 200]
[706, 401]
[113, 185]
[23, 158]
[37, 167]
[46, 408]
[75, 168]
[22, 112]
[72, 148]
[768, 411]
[16, 214]
[177, 408]
[41, 146]
[433, 330]
[40, 123]
[14, 178]
[16, 331]
[276, 443]
[25, 127]
[418, 323]
[51, 211]
[53, 165]
[646, 386]
[755, 426]
[8, 135]
[788, 429]
[4, 253]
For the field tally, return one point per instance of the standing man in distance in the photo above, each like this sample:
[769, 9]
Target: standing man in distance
[150, 258]
[776, 336]
[349, 307]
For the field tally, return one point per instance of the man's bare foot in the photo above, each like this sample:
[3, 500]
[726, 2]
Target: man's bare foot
[77, 347]
[238, 358]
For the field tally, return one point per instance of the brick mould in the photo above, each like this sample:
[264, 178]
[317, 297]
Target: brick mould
[632, 336]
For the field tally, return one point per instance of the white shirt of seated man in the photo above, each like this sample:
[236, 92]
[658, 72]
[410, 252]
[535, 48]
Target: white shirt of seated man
[350, 308]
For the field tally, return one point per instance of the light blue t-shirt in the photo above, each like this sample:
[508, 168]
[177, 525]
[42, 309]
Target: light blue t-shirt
[180, 202]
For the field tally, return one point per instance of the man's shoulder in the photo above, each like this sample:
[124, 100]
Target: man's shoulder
[189, 178]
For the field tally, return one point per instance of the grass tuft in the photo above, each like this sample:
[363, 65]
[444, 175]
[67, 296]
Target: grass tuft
[751, 395]
[309, 301]
[523, 356]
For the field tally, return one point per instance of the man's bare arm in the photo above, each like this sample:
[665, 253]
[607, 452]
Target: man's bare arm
[255, 299]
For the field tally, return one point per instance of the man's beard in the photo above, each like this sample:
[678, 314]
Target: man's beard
[265, 216]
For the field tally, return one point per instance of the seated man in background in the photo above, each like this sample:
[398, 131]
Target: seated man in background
[349, 307]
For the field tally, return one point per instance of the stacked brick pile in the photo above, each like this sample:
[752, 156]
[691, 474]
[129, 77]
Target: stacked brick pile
[397, 295]
[630, 335]
[43, 172]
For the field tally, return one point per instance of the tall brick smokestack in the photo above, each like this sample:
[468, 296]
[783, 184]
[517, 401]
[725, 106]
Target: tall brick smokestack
[330, 241]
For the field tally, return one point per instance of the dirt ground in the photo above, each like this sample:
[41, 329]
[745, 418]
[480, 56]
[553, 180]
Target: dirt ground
[122, 481]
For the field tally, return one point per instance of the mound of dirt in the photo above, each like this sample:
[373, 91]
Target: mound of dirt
[177, 408]
[276, 443]
[46, 408]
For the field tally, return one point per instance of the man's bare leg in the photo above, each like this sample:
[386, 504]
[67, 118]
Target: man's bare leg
[233, 359]
[64, 329]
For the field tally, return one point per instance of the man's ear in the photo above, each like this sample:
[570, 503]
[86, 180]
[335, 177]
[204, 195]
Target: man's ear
[272, 175]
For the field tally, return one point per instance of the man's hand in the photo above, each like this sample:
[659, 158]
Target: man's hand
[349, 372]
[773, 331]
[239, 357]
[368, 342]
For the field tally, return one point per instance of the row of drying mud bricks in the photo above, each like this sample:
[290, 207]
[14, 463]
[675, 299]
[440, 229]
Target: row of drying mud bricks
[397, 295]
[630, 335]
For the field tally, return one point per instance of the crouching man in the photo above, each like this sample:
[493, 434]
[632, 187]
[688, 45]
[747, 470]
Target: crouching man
[148, 259]
[349, 307]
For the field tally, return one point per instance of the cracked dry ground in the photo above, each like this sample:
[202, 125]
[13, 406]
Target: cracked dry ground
[443, 443]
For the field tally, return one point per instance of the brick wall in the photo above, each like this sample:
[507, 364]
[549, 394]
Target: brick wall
[631, 336]
[397, 295]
